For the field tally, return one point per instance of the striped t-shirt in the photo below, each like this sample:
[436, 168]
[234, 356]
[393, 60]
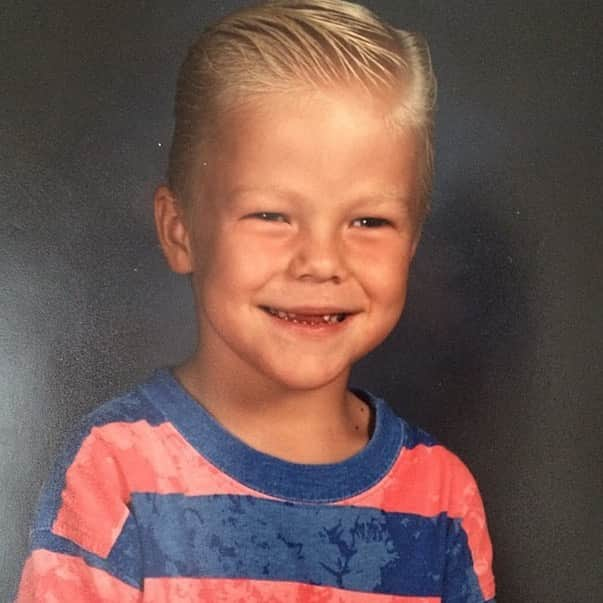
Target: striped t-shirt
[152, 500]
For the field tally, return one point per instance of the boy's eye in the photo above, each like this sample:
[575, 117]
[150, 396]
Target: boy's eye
[369, 222]
[269, 216]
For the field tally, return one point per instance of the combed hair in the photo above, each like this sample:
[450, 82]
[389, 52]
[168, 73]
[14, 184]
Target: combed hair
[289, 45]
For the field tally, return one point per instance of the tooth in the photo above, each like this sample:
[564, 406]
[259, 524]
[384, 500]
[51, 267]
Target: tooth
[281, 314]
[327, 318]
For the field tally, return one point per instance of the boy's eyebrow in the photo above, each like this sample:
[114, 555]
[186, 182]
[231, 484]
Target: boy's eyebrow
[240, 191]
[398, 196]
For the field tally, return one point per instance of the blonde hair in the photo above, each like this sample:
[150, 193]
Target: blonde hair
[285, 45]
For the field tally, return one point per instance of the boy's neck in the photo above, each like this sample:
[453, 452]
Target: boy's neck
[325, 425]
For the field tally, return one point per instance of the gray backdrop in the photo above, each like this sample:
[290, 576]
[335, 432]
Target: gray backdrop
[499, 351]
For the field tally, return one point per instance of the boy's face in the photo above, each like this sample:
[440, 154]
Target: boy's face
[304, 220]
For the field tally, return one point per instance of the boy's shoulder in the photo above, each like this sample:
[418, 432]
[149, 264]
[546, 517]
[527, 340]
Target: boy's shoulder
[423, 445]
[419, 447]
[121, 446]
[133, 409]
[128, 406]
[418, 474]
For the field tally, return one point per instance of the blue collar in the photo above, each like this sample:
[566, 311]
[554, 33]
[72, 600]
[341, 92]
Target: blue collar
[269, 474]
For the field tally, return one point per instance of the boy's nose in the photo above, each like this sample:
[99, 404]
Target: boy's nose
[318, 256]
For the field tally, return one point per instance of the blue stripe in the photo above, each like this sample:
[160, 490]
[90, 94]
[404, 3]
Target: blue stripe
[124, 562]
[354, 548]
[461, 583]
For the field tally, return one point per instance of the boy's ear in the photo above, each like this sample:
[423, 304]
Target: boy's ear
[415, 242]
[172, 231]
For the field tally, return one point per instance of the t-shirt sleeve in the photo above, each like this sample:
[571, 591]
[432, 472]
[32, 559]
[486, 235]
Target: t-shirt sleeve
[84, 545]
[469, 577]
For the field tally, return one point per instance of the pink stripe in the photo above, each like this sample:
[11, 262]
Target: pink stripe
[49, 576]
[221, 590]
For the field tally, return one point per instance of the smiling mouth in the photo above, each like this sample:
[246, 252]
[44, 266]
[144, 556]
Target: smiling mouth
[307, 319]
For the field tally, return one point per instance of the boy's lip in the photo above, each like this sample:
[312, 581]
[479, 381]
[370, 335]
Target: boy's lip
[313, 319]
[310, 310]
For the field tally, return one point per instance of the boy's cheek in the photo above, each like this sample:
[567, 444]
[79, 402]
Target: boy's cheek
[244, 264]
[255, 251]
[390, 259]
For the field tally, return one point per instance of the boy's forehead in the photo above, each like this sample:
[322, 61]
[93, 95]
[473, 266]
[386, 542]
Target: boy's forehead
[316, 120]
[280, 147]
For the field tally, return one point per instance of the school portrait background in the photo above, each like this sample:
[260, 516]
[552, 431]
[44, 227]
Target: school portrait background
[498, 351]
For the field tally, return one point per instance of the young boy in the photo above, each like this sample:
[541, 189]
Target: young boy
[298, 182]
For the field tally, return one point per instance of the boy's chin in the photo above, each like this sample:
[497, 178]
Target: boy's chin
[305, 376]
